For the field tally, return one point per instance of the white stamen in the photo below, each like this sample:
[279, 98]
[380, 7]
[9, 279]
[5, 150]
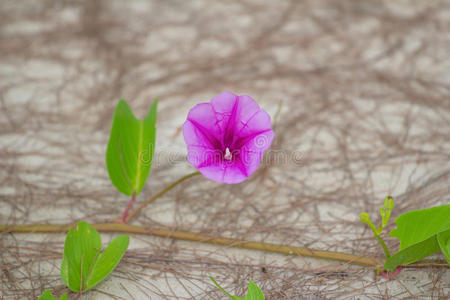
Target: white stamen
[228, 154]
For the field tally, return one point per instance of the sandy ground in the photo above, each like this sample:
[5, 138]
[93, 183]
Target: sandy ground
[359, 92]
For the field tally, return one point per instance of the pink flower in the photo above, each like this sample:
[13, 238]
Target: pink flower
[227, 137]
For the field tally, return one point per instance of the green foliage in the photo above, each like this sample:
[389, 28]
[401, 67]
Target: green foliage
[108, 260]
[385, 213]
[130, 148]
[444, 244]
[421, 233]
[47, 295]
[84, 263]
[253, 293]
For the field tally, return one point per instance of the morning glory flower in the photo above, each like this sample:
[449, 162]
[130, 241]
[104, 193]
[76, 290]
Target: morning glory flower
[226, 138]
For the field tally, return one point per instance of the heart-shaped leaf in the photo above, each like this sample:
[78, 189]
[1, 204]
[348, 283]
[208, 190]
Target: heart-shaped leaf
[130, 148]
[47, 295]
[84, 263]
[253, 292]
[421, 233]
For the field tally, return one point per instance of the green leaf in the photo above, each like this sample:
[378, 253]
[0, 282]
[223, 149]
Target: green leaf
[108, 260]
[421, 233]
[84, 263]
[47, 295]
[253, 293]
[130, 148]
[83, 244]
[385, 211]
[444, 243]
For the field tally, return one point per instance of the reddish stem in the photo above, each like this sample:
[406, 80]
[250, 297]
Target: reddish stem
[389, 275]
[77, 296]
[129, 206]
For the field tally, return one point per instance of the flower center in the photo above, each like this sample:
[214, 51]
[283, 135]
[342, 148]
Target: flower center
[228, 155]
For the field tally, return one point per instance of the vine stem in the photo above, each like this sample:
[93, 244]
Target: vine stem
[217, 240]
[385, 248]
[123, 227]
[128, 218]
[203, 238]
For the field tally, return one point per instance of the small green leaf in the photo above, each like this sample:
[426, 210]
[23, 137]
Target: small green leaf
[365, 219]
[253, 293]
[47, 295]
[421, 233]
[84, 263]
[108, 260]
[385, 211]
[82, 246]
[130, 148]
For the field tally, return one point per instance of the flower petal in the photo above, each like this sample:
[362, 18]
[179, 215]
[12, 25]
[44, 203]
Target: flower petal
[200, 151]
[224, 171]
[246, 109]
[203, 118]
[258, 124]
[225, 106]
[252, 152]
